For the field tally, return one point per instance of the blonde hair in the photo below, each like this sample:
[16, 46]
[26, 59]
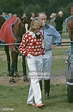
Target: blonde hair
[36, 23]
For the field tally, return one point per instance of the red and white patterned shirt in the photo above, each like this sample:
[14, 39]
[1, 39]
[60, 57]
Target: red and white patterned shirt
[31, 45]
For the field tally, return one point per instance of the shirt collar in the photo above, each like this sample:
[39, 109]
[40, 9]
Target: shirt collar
[32, 33]
[46, 26]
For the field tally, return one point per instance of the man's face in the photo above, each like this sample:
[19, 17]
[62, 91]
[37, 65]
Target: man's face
[43, 17]
[71, 12]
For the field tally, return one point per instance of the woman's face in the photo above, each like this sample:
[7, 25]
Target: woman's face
[37, 30]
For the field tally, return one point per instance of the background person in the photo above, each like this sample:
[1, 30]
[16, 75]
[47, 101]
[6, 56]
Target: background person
[32, 16]
[52, 19]
[49, 33]
[59, 22]
[7, 15]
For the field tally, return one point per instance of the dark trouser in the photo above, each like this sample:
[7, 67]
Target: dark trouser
[40, 82]
[47, 86]
[6, 48]
[24, 65]
[14, 67]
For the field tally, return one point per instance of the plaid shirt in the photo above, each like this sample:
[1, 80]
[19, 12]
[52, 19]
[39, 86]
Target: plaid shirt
[31, 45]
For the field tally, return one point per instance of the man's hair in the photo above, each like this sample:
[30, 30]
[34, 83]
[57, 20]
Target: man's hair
[41, 13]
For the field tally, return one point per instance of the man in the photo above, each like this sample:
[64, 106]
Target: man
[49, 32]
[52, 19]
[59, 22]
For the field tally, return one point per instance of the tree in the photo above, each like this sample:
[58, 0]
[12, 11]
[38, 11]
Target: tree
[27, 6]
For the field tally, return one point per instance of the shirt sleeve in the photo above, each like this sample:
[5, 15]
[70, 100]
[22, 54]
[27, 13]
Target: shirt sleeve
[57, 36]
[22, 47]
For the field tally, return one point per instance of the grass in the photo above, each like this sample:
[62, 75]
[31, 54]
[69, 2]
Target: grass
[15, 96]
[60, 51]
[59, 58]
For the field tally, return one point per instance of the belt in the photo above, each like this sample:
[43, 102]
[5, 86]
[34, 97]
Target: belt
[36, 55]
[46, 50]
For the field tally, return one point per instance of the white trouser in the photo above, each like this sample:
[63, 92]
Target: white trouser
[35, 65]
[47, 61]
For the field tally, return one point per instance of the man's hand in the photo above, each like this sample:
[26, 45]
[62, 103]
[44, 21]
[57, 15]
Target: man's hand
[52, 46]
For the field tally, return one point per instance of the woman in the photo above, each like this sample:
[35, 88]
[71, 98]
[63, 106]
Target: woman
[33, 48]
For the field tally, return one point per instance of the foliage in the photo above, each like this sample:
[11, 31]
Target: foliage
[27, 6]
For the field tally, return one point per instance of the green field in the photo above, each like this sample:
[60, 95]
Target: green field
[14, 96]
